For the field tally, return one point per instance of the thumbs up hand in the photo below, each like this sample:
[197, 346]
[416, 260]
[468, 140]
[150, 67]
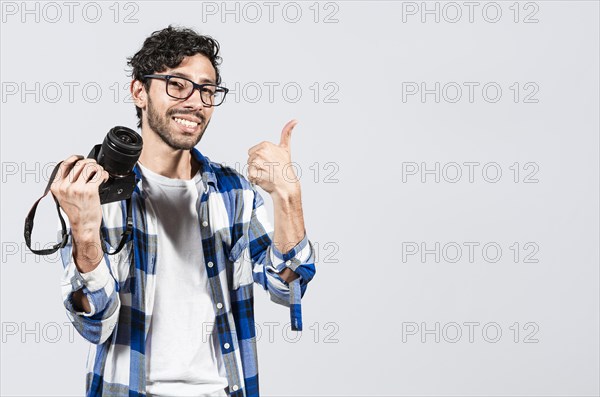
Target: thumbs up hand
[269, 165]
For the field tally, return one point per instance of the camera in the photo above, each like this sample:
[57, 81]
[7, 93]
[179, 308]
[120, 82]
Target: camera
[118, 154]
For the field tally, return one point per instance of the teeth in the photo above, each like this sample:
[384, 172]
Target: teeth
[185, 122]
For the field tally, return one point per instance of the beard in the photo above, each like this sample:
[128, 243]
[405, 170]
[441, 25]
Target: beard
[161, 126]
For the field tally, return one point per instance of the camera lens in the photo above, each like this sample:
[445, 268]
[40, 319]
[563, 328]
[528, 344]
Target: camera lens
[125, 138]
[120, 151]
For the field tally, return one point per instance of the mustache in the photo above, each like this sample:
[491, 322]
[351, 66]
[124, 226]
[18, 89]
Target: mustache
[177, 112]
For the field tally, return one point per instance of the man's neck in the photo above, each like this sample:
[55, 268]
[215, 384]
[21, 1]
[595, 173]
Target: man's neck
[166, 161]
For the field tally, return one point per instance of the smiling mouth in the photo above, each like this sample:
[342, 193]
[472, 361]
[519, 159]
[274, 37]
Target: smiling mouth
[185, 123]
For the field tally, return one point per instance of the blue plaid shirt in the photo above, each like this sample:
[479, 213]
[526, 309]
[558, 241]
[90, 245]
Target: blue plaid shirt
[238, 251]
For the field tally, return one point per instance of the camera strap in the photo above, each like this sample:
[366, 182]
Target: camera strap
[126, 234]
[65, 237]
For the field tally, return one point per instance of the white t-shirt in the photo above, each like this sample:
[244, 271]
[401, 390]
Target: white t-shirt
[182, 350]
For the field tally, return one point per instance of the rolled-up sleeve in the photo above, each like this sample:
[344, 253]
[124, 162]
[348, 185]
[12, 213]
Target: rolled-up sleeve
[100, 288]
[269, 261]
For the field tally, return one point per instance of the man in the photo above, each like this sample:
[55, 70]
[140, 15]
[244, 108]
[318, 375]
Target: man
[172, 313]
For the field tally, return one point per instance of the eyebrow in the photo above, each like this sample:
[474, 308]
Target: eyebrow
[187, 76]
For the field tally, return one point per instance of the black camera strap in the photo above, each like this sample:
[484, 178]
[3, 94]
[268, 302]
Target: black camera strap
[127, 233]
[65, 237]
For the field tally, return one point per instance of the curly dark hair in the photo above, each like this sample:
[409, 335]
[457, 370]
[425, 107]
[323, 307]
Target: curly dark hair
[166, 48]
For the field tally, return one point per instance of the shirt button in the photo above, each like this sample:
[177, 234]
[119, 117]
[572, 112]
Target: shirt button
[210, 264]
[234, 387]
[226, 345]
[288, 263]
[219, 305]
[204, 223]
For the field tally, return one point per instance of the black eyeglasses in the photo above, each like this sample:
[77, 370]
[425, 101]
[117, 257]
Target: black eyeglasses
[182, 88]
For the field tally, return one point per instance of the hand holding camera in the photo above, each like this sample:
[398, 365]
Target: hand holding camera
[76, 187]
[80, 186]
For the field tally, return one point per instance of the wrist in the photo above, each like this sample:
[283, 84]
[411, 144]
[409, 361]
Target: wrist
[87, 255]
[85, 236]
[290, 194]
[87, 249]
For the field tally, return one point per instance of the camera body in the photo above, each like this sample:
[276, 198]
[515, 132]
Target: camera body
[118, 154]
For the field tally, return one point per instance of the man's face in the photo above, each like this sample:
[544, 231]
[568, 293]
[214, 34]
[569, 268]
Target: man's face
[164, 114]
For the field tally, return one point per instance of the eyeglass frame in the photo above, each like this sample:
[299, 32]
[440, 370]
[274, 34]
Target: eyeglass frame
[195, 86]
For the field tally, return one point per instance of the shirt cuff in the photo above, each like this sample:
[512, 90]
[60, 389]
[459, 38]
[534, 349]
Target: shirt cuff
[97, 278]
[293, 258]
[96, 286]
[295, 305]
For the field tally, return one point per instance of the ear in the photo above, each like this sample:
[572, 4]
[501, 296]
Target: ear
[138, 93]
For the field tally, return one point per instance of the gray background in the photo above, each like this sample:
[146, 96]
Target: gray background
[370, 305]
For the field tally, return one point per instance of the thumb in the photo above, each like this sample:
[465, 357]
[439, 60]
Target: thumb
[286, 133]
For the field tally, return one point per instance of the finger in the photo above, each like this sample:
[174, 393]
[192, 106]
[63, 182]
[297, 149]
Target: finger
[253, 160]
[80, 171]
[98, 178]
[89, 189]
[257, 146]
[91, 174]
[261, 157]
[286, 133]
[65, 167]
[76, 172]
[255, 169]
[253, 173]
